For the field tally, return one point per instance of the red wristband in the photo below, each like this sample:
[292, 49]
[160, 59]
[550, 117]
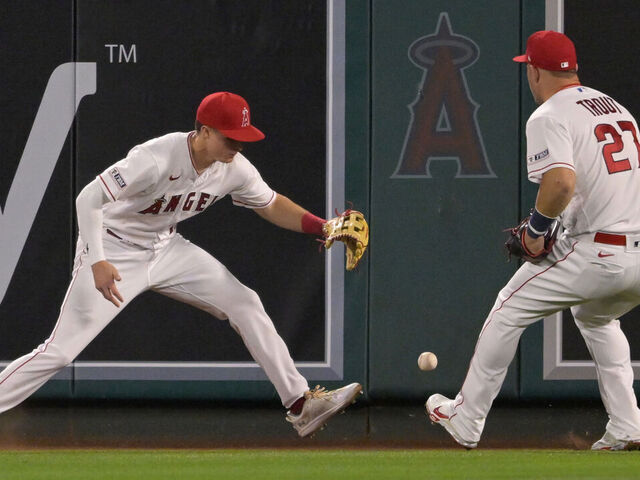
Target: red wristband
[312, 224]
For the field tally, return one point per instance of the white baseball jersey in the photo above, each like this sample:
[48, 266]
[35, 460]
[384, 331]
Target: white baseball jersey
[156, 186]
[589, 132]
[151, 190]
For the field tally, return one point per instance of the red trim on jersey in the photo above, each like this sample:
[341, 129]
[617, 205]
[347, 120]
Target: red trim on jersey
[53, 334]
[190, 153]
[550, 165]
[107, 187]
[238, 202]
[573, 248]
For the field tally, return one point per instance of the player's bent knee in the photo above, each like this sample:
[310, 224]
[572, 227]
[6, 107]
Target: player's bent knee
[248, 308]
[57, 358]
[243, 305]
[62, 361]
[249, 300]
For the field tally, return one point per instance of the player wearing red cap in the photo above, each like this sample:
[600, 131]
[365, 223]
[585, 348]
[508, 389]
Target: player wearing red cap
[128, 243]
[583, 151]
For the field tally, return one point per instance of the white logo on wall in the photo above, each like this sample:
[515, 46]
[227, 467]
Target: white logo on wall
[67, 85]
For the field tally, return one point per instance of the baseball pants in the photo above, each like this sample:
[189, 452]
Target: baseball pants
[600, 283]
[179, 270]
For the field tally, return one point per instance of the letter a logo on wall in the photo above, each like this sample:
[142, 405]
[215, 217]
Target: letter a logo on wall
[68, 84]
[443, 124]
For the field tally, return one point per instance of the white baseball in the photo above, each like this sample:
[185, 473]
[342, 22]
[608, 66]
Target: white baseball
[427, 361]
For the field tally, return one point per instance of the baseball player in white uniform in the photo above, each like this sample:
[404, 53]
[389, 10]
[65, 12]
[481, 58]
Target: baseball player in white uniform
[128, 244]
[582, 148]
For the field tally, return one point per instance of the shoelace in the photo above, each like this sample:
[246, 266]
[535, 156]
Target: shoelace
[317, 392]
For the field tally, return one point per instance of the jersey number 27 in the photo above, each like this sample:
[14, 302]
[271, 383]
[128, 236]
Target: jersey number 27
[617, 145]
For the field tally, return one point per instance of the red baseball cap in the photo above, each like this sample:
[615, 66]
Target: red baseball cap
[550, 50]
[229, 114]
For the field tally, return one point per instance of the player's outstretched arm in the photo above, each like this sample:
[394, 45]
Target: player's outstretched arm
[285, 213]
[349, 227]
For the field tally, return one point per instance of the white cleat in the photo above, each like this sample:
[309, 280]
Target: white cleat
[440, 411]
[609, 442]
[320, 405]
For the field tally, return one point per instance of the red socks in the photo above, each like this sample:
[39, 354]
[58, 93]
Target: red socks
[296, 408]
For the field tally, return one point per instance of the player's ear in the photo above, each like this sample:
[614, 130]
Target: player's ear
[535, 73]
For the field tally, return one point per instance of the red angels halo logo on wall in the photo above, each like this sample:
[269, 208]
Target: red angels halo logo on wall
[443, 124]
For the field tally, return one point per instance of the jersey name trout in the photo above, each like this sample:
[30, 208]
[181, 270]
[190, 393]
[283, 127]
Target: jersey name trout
[600, 105]
[190, 203]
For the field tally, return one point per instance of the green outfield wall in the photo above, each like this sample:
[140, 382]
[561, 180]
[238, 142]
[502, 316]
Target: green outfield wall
[411, 111]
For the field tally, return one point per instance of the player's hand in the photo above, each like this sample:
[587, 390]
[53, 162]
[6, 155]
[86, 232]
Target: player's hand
[105, 276]
[534, 245]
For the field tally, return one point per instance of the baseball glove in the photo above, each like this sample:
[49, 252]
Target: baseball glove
[352, 229]
[515, 243]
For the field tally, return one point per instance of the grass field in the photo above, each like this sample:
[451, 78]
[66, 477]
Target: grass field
[329, 464]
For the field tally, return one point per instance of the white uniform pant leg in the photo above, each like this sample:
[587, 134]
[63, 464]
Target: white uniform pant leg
[609, 349]
[83, 315]
[189, 274]
[534, 292]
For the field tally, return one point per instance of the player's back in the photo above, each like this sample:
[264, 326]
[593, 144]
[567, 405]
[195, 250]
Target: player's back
[603, 144]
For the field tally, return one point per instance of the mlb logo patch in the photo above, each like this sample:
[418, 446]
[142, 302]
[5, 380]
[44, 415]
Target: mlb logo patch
[118, 178]
[564, 64]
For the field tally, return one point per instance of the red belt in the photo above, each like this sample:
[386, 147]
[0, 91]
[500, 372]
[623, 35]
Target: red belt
[610, 239]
